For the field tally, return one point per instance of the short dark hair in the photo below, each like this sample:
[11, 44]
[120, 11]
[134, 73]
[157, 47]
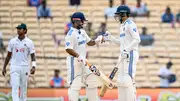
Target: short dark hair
[56, 70]
[25, 29]
[169, 63]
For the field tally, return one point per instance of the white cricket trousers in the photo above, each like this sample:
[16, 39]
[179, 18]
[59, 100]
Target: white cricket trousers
[127, 93]
[126, 75]
[19, 78]
[78, 74]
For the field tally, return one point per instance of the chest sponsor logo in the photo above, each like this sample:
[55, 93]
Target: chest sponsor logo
[81, 42]
[122, 35]
[20, 50]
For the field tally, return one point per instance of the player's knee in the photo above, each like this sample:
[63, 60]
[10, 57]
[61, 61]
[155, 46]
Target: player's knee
[15, 89]
[91, 81]
[76, 84]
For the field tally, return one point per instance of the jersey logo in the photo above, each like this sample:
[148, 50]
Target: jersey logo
[67, 43]
[20, 50]
[134, 29]
[16, 50]
[70, 32]
[82, 42]
[122, 35]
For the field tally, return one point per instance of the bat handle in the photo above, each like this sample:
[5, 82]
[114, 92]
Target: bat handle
[88, 63]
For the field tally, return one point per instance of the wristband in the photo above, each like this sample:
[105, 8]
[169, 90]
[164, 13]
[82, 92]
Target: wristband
[34, 63]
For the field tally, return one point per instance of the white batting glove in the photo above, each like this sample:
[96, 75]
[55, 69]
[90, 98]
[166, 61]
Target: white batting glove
[124, 54]
[99, 39]
[81, 59]
[106, 36]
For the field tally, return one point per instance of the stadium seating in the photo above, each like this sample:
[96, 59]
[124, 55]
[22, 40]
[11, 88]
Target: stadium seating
[50, 57]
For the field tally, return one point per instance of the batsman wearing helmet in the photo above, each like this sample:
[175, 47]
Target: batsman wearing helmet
[129, 40]
[77, 73]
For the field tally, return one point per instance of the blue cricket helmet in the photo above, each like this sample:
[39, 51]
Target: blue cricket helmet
[78, 16]
[123, 9]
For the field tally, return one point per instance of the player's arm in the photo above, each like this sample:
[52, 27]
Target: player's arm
[111, 38]
[69, 45]
[135, 37]
[91, 42]
[33, 58]
[72, 52]
[8, 57]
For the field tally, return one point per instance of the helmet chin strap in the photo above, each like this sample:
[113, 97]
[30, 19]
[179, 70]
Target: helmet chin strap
[120, 19]
[79, 27]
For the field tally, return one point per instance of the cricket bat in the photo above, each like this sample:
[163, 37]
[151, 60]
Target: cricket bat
[111, 76]
[104, 87]
[105, 80]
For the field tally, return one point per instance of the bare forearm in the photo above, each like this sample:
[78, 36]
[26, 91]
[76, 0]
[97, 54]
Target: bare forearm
[33, 57]
[72, 52]
[6, 62]
[91, 43]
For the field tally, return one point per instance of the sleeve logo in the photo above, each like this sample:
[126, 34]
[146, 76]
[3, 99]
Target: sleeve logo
[67, 43]
[134, 29]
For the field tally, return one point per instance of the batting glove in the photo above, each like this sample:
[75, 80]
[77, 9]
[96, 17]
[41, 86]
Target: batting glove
[81, 59]
[106, 36]
[99, 39]
[124, 54]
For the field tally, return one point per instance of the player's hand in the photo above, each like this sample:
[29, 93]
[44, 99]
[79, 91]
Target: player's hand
[99, 39]
[33, 70]
[106, 36]
[81, 59]
[124, 54]
[4, 72]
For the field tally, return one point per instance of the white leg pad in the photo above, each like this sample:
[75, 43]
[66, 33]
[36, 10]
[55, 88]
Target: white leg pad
[91, 81]
[91, 89]
[92, 94]
[126, 93]
[73, 94]
[73, 91]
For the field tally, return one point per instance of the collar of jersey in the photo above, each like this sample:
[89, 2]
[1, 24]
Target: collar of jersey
[17, 39]
[74, 29]
[125, 21]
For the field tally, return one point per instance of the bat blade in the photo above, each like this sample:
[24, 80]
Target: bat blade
[105, 80]
[104, 87]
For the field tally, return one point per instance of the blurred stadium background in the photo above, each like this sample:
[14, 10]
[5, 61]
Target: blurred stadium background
[49, 57]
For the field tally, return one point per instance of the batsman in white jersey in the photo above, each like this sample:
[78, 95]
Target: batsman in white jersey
[19, 48]
[77, 73]
[129, 40]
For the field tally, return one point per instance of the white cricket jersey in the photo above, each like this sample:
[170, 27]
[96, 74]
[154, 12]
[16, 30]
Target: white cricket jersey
[129, 41]
[164, 72]
[129, 33]
[76, 40]
[20, 51]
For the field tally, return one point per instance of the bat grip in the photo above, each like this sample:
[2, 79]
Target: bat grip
[88, 63]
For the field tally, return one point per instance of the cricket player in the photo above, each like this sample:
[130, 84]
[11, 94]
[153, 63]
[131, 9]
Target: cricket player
[77, 73]
[19, 48]
[129, 40]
